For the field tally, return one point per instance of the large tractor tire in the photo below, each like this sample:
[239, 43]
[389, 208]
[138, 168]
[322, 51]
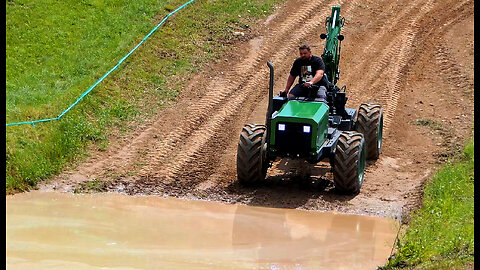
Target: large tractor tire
[251, 155]
[349, 162]
[370, 124]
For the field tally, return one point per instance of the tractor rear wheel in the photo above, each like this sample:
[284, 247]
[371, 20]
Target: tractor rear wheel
[349, 162]
[251, 155]
[370, 124]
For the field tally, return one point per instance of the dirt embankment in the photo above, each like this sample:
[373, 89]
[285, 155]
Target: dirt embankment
[413, 57]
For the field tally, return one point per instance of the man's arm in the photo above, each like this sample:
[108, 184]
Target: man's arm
[318, 77]
[290, 81]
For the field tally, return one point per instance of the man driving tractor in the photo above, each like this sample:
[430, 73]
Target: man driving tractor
[310, 69]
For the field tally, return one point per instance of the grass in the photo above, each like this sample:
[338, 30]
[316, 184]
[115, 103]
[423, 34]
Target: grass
[450, 141]
[441, 233]
[93, 186]
[56, 50]
[428, 123]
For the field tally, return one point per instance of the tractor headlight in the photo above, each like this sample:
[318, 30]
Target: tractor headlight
[306, 129]
[281, 127]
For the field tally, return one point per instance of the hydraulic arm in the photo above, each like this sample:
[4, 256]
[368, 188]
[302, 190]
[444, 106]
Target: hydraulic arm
[331, 53]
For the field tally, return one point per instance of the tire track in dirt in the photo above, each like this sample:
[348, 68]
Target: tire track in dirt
[395, 73]
[382, 35]
[421, 36]
[451, 74]
[387, 69]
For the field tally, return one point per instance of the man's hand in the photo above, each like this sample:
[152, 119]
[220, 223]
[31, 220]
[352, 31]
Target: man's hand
[308, 84]
[283, 93]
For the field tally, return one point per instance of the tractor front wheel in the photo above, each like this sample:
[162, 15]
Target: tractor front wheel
[349, 162]
[370, 124]
[251, 155]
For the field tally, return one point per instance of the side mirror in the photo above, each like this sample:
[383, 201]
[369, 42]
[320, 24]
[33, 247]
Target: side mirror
[323, 36]
[340, 37]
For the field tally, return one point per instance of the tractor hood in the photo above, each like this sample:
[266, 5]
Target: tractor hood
[303, 110]
[299, 127]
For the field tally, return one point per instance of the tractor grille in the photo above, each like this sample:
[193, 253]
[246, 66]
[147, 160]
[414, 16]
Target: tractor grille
[293, 140]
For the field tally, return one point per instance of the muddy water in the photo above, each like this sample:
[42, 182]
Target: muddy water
[111, 231]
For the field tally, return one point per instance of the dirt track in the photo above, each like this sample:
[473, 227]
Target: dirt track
[413, 57]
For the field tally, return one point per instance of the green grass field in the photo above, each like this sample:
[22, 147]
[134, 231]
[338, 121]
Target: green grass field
[441, 233]
[57, 50]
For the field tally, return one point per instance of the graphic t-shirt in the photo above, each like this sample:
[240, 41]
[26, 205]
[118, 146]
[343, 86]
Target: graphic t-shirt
[306, 69]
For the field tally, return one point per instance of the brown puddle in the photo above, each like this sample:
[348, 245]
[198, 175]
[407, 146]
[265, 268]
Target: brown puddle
[112, 231]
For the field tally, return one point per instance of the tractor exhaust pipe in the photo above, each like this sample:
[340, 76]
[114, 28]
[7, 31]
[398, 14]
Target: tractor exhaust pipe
[270, 93]
[268, 119]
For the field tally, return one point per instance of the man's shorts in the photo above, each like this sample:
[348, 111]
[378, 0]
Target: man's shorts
[300, 90]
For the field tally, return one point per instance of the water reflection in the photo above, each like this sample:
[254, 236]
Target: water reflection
[60, 231]
[292, 239]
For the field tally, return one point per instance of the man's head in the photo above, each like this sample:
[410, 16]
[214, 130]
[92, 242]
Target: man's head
[305, 52]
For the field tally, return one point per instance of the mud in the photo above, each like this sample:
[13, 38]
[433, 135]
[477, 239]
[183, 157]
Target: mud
[52, 230]
[414, 57]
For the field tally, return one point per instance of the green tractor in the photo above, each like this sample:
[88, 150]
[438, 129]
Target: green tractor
[314, 129]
